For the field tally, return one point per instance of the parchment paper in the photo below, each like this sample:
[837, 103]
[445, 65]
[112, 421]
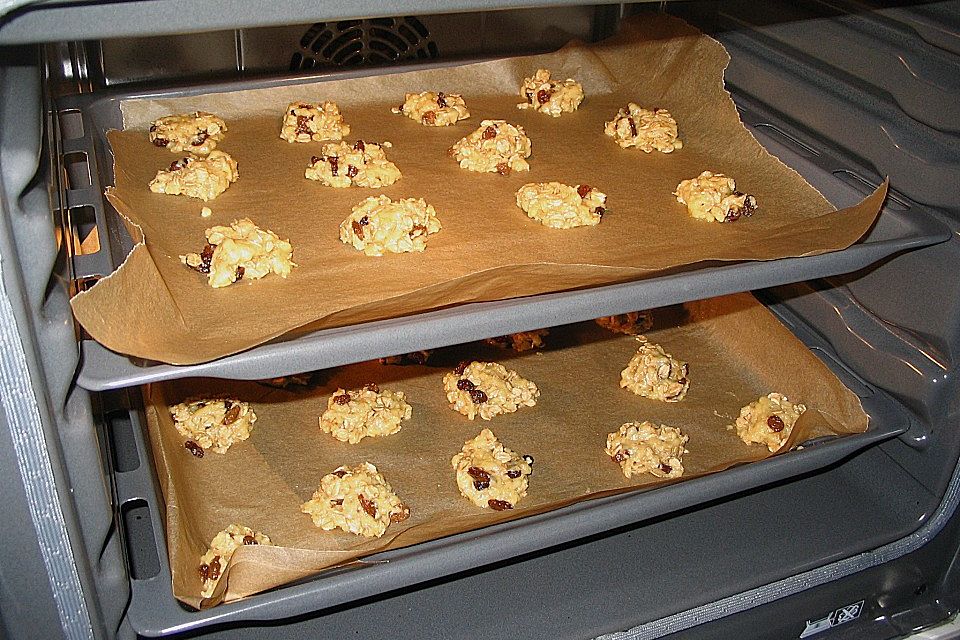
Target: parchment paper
[154, 307]
[737, 352]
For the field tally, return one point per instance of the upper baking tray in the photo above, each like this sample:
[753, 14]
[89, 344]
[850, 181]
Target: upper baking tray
[86, 119]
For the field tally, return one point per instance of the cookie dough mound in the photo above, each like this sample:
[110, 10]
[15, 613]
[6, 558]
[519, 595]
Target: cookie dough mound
[353, 415]
[242, 250]
[489, 474]
[633, 323]
[379, 224]
[768, 421]
[224, 545]
[644, 129]
[404, 359]
[655, 374]
[363, 164]
[356, 499]
[203, 178]
[643, 447]
[488, 389]
[495, 147]
[713, 197]
[561, 206]
[197, 133]
[306, 121]
[520, 342]
[213, 424]
[434, 109]
[549, 96]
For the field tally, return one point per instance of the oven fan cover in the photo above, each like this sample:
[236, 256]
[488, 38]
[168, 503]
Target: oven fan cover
[354, 43]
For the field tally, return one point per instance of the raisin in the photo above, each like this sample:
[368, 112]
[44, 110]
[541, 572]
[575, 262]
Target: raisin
[368, 506]
[401, 515]
[175, 165]
[749, 204]
[160, 142]
[233, 415]
[430, 117]
[418, 229]
[776, 424]
[633, 127]
[461, 367]
[334, 164]
[478, 396]
[499, 505]
[621, 456]
[206, 256]
[240, 272]
[314, 159]
[194, 448]
[503, 169]
[478, 474]
[583, 190]
[227, 404]
[465, 385]
[364, 221]
[357, 229]
[372, 386]
[248, 540]
[451, 152]
[341, 399]
[543, 96]
[600, 211]
[302, 125]
[200, 138]
[153, 128]
[441, 100]
[666, 468]
[215, 568]
[732, 215]
[514, 473]
[489, 133]
[337, 502]
[480, 485]
[352, 171]
[359, 146]
[204, 572]
[340, 472]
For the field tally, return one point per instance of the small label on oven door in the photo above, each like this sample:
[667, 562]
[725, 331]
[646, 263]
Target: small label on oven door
[838, 617]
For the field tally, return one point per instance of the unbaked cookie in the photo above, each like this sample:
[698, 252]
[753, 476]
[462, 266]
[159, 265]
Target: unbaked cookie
[404, 359]
[353, 415]
[306, 121]
[197, 132]
[434, 109]
[561, 206]
[213, 424]
[489, 474]
[363, 164]
[487, 389]
[549, 96]
[632, 324]
[356, 499]
[242, 250]
[768, 421]
[644, 129]
[520, 342]
[713, 197]
[379, 224]
[653, 373]
[203, 178]
[495, 146]
[224, 545]
[643, 447]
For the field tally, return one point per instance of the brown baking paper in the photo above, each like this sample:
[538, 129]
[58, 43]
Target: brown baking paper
[156, 308]
[737, 352]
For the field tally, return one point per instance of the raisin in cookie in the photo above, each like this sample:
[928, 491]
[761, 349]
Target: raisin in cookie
[495, 147]
[356, 499]
[213, 424]
[644, 129]
[768, 420]
[242, 250]
[550, 96]
[655, 374]
[489, 474]
[632, 324]
[224, 545]
[434, 109]
[713, 197]
[364, 164]
[353, 415]
[379, 224]
[643, 447]
[520, 342]
[487, 389]
[404, 359]
[197, 132]
[306, 121]
[203, 178]
[560, 206]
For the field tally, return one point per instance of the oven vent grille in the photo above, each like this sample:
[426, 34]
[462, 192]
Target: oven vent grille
[353, 43]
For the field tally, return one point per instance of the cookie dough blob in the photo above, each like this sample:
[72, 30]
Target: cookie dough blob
[495, 147]
[560, 206]
[713, 197]
[645, 129]
[433, 109]
[488, 389]
[370, 411]
[221, 550]
[379, 225]
[195, 177]
[357, 500]
[548, 96]
[213, 424]
[768, 421]
[643, 447]
[197, 133]
[307, 121]
[490, 475]
[362, 164]
[655, 374]
[241, 251]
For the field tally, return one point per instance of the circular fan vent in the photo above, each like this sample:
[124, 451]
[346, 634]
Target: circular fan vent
[352, 43]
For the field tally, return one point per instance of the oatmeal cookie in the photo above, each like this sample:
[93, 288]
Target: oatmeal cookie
[224, 545]
[434, 109]
[520, 342]
[768, 420]
[363, 164]
[643, 447]
[242, 250]
[550, 96]
[306, 121]
[653, 373]
[487, 389]
[353, 415]
[356, 499]
[489, 474]
[379, 224]
[561, 206]
[213, 424]
[203, 178]
[632, 324]
[644, 129]
[495, 147]
[197, 133]
[713, 197]
[404, 359]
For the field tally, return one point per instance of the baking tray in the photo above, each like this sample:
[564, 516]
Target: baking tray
[901, 226]
[154, 611]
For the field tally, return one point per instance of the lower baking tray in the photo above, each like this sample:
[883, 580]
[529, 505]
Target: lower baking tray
[155, 612]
